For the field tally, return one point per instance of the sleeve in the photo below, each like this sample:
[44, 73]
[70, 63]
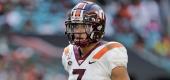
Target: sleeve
[117, 57]
[64, 58]
[64, 61]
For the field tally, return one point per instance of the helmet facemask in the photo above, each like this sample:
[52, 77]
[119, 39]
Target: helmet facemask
[79, 33]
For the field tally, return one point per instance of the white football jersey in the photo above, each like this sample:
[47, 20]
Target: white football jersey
[95, 65]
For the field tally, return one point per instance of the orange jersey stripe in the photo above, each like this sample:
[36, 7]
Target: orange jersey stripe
[105, 49]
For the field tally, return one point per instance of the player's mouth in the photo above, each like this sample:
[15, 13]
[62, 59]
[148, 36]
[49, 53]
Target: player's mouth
[79, 39]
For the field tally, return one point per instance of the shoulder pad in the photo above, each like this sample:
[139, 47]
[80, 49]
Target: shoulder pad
[108, 46]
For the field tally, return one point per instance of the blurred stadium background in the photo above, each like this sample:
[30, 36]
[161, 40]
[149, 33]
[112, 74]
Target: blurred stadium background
[32, 37]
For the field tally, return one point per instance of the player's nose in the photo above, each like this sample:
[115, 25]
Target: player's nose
[79, 29]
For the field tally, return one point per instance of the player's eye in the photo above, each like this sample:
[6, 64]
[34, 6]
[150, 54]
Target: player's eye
[88, 28]
[69, 28]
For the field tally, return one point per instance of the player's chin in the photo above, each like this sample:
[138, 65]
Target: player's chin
[81, 42]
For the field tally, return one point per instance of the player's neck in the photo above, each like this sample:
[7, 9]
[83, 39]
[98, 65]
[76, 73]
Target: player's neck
[88, 48]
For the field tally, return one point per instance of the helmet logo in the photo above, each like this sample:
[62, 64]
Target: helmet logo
[93, 19]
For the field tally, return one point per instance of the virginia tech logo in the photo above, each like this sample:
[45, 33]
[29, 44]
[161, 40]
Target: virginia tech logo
[69, 63]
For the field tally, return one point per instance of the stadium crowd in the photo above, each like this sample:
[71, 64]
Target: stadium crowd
[26, 55]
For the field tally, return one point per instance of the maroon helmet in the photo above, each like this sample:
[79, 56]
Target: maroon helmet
[92, 17]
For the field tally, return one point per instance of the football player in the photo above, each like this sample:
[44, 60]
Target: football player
[87, 57]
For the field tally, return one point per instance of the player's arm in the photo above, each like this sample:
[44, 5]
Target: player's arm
[65, 53]
[118, 59]
[119, 73]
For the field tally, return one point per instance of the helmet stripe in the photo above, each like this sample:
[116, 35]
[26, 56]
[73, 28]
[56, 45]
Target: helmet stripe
[79, 11]
[81, 5]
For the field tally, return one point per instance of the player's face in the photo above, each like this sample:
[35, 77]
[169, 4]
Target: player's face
[80, 32]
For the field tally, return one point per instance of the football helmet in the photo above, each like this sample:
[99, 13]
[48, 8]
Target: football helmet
[92, 17]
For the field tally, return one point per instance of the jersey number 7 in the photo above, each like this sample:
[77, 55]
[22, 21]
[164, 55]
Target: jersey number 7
[80, 73]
